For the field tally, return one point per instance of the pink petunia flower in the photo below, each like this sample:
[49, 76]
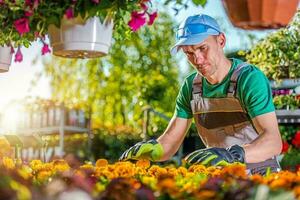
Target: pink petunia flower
[28, 13]
[22, 25]
[137, 20]
[144, 6]
[69, 13]
[152, 17]
[96, 1]
[33, 4]
[18, 55]
[45, 49]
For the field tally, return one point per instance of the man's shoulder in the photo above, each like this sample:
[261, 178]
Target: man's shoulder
[190, 77]
[249, 70]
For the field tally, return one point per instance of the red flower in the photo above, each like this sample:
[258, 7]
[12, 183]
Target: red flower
[69, 13]
[297, 167]
[152, 17]
[45, 49]
[285, 146]
[18, 56]
[22, 25]
[296, 139]
[137, 20]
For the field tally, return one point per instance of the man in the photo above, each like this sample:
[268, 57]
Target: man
[230, 101]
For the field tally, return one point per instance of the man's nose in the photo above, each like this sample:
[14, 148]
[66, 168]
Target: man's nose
[198, 58]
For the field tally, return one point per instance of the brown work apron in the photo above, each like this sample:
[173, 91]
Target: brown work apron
[222, 122]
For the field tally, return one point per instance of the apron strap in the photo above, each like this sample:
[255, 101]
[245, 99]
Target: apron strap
[197, 86]
[234, 77]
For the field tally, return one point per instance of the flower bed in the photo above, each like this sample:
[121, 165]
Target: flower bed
[140, 180]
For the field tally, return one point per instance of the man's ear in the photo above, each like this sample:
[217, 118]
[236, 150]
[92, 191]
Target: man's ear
[221, 39]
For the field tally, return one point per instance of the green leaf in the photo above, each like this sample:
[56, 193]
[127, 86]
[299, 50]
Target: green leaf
[199, 2]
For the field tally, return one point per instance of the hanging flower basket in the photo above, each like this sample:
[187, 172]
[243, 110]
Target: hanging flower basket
[5, 58]
[81, 39]
[260, 14]
[23, 22]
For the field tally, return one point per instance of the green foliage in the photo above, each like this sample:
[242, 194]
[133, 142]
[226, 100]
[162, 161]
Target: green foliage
[291, 159]
[110, 145]
[286, 101]
[137, 72]
[278, 55]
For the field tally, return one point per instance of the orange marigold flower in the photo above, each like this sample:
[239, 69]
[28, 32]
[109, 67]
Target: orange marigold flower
[182, 171]
[205, 194]
[297, 191]
[166, 183]
[257, 178]
[143, 163]
[236, 170]
[101, 163]
[278, 183]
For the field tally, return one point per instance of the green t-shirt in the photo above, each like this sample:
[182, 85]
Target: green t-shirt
[253, 91]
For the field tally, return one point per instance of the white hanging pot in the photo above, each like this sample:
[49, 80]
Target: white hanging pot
[79, 39]
[5, 58]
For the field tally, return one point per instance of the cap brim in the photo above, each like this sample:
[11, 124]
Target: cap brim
[192, 40]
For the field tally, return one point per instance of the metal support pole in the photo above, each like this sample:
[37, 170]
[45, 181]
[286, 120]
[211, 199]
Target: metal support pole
[61, 129]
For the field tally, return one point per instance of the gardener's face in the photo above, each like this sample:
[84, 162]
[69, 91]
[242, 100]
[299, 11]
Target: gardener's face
[206, 55]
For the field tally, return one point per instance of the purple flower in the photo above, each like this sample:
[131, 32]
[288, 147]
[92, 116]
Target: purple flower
[22, 25]
[137, 20]
[18, 56]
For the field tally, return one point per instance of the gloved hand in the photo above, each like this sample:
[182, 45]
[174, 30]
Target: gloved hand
[150, 150]
[216, 156]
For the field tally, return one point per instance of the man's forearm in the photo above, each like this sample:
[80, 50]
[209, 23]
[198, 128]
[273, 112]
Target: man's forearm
[264, 147]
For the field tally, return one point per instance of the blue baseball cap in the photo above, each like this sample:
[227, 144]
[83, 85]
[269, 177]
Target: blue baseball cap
[194, 29]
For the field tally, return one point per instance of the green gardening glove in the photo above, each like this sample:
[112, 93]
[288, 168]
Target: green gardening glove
[216, 156]
[150, 150]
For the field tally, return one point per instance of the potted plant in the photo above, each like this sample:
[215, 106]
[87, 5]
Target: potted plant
[23, 22]
[5, 58]
[260, 14]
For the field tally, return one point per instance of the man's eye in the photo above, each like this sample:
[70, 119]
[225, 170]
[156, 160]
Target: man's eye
[203, 48]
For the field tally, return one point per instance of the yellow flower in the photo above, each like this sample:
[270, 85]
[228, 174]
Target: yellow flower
[23, 193]
[43, 175]
[101, 163]
[60, 165]
[25, 172]
[8, 163]
[36, 165]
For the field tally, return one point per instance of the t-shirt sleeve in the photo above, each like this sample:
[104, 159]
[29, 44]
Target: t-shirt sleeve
[183, 108]
[255, 92]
